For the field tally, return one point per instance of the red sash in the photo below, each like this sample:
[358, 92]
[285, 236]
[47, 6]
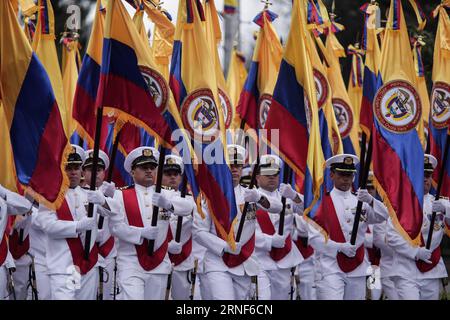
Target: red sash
[306, 251]
[3, 249]
[374, 253]
[327, 218]
[435, 257]
[18, 250]
[105, 249]
[134, 219]
[247, 249]
[75, 245]
[267, 227]
[186, 250]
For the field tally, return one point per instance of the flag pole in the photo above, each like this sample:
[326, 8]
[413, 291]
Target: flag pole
[287, 175]
[162, 156]
[438, 191]
[180, 218]
[363, 184]
[362, 156]
[98, 131]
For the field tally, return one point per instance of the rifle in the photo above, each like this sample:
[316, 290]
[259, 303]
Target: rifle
[169, 284]
[100, 284]
[11, 288]
[254, 280]
[293, 283]
[32, 277]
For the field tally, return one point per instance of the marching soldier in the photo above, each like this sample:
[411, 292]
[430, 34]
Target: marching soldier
[229, 271]
[10, 204]
[276, 253]
[180, 253]
[306, 268]
[143, 276]
[72, 276]
[106, 244]
[418, 270]
[342, 266]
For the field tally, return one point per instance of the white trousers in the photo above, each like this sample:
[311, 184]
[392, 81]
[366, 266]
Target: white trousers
[136, 285]
[202, 290]
[21, 279]
[307, 286]
[407, 289]
[429, 289]
[227, 286]
[72, 287]
[3, 283]
[181, 287]
[388, 287]
[108, 279]
[338, 286]
[274, 284]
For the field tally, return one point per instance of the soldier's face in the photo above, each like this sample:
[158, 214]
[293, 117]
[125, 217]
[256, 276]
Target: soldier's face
[172, 179]
[236, 172]
[372, 191]
[342, 181]
[269, 183]
[144, 175]
[87, 174]
[426, 182]
[73, 172]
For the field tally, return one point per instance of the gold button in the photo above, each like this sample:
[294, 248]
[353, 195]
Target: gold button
[76, 207]
[145, 193]
[147, 205]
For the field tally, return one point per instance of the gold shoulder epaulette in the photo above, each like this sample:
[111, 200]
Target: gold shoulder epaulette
[131, 186]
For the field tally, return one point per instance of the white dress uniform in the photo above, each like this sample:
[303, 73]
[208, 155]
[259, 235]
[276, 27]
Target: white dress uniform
[387, 266]
[306, 268]
[10, 204]
[274, 278]
[333, 283]
[202, 290]
[410, 282]
[68, 279]
[38, 243]
[182, 262]
[135, 282]
[22, 259]
[373, 272]
[105, 241]
[226, 282]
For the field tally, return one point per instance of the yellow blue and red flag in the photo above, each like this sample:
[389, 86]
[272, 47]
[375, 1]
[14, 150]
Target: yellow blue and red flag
[255, 99]
[398, 157]
[355, 82]
[230, 6]
[37, 137]
[294, 110]
[440, 97]
[197, 98]
[237, 74]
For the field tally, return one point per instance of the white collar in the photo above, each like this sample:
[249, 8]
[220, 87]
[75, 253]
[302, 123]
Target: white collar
[141, 188]
[341, 193]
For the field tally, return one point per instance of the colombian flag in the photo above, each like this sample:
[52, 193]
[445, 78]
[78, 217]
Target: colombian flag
[254, 103]
[422, 88]
[372, 77]
[8, 176]
[84, 109]
[397, 152]
[440, 97]
[230, 6]
[44, 46]
[198, 100]
[38, 141]
[294, 110]
[129, 84]
[235, 81]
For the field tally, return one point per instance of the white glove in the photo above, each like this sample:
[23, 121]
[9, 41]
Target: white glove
[348, 249]
[287, 191]
[95, 197]
[20, 222]
[159, 200]
[438, 206]
[278, 241]
[182, 206]
[424, 254]
[2, 192]
[364, 196]
[100, 236]
[149, 233]
[108, 189]
[85, 224]
[175, 247]
[235, 252]
[251, 195]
